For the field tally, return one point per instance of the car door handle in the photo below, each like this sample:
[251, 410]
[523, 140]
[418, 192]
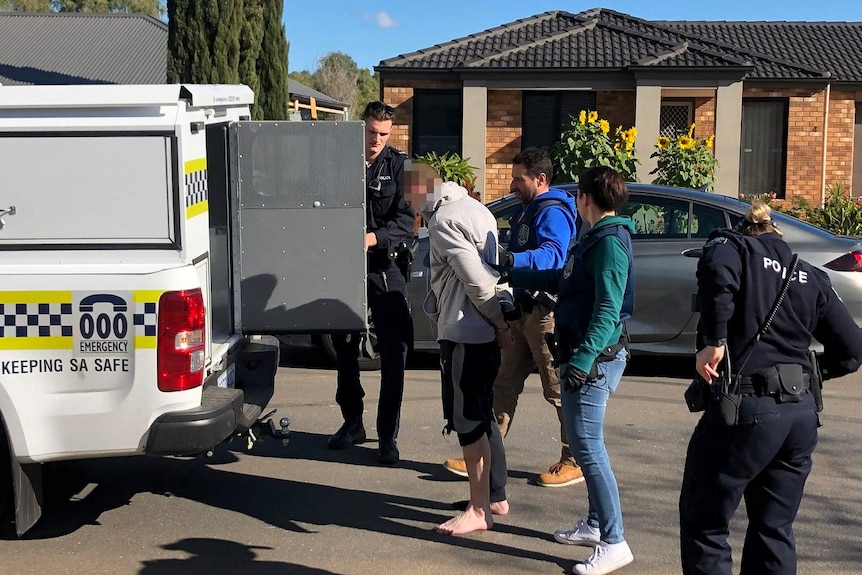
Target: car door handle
[693, 252]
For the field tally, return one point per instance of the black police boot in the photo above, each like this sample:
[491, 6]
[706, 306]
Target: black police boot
[388, 452]
[348, 434]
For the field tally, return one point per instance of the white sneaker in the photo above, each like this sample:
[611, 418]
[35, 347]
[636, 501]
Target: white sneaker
[606, 557]
[582, 534]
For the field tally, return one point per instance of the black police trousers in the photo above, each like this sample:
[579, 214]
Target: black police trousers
[766, 459]
[387, 299]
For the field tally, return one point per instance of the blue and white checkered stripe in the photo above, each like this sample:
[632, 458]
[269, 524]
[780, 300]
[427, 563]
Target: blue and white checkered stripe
[196, 187]
[145, 319]
[36, 320]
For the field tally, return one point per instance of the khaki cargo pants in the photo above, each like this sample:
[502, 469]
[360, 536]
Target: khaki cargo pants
[530, 351]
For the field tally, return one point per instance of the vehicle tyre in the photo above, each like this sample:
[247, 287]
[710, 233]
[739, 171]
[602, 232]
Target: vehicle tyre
[369, 357]
[7, 495]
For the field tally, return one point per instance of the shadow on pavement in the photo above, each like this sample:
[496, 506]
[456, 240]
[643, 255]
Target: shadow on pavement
[312, 446]
[216, 556]
[281, 503]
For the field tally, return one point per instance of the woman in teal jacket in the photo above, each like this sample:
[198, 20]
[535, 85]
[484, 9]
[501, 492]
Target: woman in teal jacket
[595, 296]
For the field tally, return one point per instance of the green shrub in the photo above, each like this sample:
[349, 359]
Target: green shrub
[451, 167]
[587, 142]
[840, 214]
[685, 162]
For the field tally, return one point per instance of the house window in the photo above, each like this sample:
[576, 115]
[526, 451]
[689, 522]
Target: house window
[675, 118]
[763, 153]
[436, 121]
[545, 114]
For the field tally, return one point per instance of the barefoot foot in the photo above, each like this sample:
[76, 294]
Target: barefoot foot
[497, 507]
[473, 519]
[500, 507]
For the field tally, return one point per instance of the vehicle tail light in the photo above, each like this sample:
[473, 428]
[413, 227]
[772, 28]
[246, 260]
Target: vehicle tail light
[181, 345]
[849, 262]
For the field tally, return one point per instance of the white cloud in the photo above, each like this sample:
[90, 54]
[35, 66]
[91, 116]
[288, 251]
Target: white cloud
[382, 20]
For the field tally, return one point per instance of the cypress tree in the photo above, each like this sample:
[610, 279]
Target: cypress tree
[272, 63]
[223, 24]
[189, 58]
[249, 50]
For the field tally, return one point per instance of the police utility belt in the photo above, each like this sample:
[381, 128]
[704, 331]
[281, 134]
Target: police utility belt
[527, 300]
[769, 382]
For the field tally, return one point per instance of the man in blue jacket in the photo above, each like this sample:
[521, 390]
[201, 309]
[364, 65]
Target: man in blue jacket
[540, 234]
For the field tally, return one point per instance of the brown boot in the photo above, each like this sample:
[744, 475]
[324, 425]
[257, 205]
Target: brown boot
[456, 466]
[560, 474]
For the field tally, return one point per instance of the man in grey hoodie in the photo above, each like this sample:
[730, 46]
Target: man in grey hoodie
[466, 303]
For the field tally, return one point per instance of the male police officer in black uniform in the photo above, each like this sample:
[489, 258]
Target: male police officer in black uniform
[762, 451]
[389, 221]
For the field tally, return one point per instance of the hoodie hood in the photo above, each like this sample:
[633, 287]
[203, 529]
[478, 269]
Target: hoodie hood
[612, 221]
[449, 192]
[563, 196]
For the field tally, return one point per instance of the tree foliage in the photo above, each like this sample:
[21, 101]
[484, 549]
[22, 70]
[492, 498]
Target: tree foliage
[251, 37]
[152, 7]
[339, 77]
[272, 63]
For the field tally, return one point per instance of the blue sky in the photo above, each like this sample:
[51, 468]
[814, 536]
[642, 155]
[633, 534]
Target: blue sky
[372, 30]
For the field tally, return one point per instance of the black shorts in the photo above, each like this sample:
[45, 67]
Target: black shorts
[469, 371]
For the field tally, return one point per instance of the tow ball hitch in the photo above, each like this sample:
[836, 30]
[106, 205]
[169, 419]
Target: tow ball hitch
[265, 426]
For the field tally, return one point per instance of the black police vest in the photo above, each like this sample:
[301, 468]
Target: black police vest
[523, 234]
[577, 287]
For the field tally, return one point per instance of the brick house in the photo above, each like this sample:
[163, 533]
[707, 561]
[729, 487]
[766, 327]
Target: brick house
[784, 99]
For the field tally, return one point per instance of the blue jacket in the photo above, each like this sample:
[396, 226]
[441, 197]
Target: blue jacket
[542, 230]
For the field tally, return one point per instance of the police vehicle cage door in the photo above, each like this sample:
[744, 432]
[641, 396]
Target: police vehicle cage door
[300, 223]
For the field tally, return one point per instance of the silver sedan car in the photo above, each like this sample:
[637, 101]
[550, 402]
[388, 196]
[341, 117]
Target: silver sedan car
[671, 226]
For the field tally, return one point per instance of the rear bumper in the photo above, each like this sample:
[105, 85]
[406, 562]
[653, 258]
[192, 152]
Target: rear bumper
[196, 430]
[223, 411]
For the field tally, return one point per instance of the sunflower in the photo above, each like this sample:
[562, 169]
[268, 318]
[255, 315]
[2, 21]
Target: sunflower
[709, 141]
[663, 142]
[592, 117]
[685, 142]
[582, 117]
[605, 126]
[691, 130]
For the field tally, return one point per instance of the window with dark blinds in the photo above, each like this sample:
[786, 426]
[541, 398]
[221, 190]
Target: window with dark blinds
[546, 113]
[436, 121]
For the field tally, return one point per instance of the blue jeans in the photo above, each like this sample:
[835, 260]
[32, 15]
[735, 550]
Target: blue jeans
[584, 416]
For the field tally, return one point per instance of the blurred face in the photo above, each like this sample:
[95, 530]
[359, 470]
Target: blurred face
[524, 186]
[376, 136]
[421, 185]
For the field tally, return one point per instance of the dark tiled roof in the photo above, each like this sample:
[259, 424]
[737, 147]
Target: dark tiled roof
[82, 48]
[294, 88]
[601, 39]
[832, 46]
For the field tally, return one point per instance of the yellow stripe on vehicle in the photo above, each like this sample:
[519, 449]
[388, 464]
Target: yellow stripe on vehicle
[18, 343]
[147, 296]
[197, 209]
[145, 342]
[15, 297]
[197, 165]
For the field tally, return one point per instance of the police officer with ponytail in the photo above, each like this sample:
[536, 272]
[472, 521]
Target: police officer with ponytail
[759, 429]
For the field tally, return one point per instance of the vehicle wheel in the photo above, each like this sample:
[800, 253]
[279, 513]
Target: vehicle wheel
[369, 358]
[7, 496]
